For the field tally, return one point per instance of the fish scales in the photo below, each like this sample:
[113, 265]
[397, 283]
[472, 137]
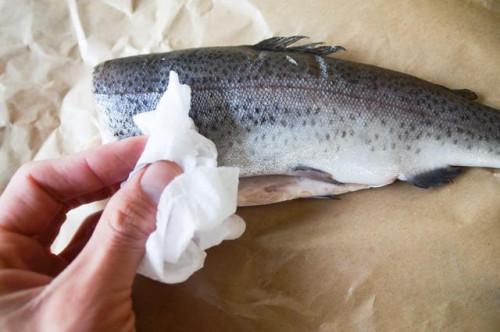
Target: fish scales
[272, 110]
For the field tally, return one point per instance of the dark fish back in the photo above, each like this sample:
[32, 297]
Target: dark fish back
[236, 89]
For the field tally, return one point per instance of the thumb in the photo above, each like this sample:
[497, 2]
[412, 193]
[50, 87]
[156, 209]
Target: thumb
[117, 246]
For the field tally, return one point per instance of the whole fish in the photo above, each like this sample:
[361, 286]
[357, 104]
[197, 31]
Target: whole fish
[299, 123]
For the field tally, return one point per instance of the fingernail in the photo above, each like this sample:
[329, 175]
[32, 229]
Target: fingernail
[157, 176]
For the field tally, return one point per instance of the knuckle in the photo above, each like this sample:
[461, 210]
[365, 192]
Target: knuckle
[27, 168]
[26, 171]
[132, 218]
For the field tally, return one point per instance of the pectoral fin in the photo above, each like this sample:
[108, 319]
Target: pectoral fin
[314, 173]
[262, 190]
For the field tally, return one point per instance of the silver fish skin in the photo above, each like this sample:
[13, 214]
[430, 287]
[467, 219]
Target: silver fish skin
[277, 109]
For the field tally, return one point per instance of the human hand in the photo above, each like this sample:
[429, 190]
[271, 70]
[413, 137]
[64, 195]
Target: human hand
[87, 287]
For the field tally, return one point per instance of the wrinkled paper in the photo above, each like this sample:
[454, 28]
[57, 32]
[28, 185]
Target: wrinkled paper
[196, 210]
[396, 258]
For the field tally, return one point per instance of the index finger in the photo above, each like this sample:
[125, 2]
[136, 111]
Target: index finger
[42, 191]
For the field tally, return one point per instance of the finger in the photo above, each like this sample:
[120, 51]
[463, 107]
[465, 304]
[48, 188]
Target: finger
[47, 237]
[14, 280]
[81, 237]
[115, 250]
[40, 191]
[21, 252]
[95, 196]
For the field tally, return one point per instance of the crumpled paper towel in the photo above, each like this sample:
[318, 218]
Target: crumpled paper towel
[196, 210]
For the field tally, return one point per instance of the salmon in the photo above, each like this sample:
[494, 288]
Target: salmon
[301, 123]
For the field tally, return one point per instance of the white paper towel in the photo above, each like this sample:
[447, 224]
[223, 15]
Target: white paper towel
[196, 210]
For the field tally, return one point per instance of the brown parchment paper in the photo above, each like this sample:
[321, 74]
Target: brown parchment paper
[388, 259]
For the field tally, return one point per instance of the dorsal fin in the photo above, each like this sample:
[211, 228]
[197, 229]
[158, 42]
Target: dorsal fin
[282, 44]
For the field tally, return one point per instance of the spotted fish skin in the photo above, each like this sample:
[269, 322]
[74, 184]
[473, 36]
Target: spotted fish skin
[272, 107]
